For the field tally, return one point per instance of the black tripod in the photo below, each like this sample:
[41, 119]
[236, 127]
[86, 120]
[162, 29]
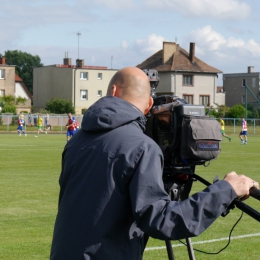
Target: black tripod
[178, 187]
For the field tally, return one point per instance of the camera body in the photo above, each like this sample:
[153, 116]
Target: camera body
[185, 134]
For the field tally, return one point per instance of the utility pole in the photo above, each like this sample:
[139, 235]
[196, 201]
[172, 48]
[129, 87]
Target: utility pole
[78, 43]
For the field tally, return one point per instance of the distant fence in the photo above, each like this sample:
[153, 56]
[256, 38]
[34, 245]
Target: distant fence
[8, 123]
[234, 125]
[58, 122]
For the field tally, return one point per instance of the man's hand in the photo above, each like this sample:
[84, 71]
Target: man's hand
[241, 184]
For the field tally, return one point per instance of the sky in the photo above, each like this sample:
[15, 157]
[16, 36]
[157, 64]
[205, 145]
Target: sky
[121, 33]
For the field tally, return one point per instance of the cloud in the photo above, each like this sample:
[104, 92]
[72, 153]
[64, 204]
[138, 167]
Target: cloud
[228, 54]
[206, 38]
[124, 44]
[209, 40]
[149, 45]
[220, 10]
[115, 4]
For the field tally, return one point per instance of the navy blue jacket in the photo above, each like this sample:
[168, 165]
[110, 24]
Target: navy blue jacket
[112, 193]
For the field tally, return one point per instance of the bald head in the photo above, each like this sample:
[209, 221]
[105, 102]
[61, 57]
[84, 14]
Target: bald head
[132, 85]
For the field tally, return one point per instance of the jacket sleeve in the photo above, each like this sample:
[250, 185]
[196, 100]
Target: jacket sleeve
[161, 218]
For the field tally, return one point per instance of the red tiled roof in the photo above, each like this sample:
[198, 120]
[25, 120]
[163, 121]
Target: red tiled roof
[17, 78]
[179, 61]
[81, 67]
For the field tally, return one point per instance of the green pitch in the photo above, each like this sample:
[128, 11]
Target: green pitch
[29, 172]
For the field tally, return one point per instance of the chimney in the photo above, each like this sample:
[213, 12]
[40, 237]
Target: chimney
[80, 63]
[250, 69]
[67, 60]
[192, 51]
[2, 60]
[169, 48]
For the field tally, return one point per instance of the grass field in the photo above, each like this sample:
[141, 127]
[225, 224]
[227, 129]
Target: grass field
[29, 172]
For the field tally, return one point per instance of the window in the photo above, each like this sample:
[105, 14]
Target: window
[84, 75]
[204, 100]
[2, 93]
[253, 82]
[243, 98]
[99, 76]
[99, 93]
[187, 80]
[2, 74]
[84, 95]
[188, 98]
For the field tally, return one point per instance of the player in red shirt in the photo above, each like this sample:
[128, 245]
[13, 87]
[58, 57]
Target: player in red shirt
[70, 127]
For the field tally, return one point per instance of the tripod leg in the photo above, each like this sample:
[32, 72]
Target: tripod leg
[190, 249]
[169, 249]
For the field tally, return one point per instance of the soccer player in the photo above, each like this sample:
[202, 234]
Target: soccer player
[76, 125]
[20, 122]
[243, 132]
[222, 123]
[70, 127]
[39, 124]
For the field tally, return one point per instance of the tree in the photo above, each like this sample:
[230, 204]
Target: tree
[60, 106]
[24, 64]
[9, 103]
[223, 110]
[255, 113]
[237, 111]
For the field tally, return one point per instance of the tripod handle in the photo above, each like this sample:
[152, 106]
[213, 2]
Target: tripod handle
[255, 193]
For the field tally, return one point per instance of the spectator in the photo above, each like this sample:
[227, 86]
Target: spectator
[46, 119]
[30, 119]
[35, 120]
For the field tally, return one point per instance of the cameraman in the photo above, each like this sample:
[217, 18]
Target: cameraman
[111, 190]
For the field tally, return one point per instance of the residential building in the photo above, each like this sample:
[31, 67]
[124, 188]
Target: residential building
[81, 84]
[237, 93]
[184, 75]
[12, 84]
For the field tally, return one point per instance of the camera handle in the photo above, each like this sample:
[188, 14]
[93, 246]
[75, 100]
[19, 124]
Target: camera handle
[254, 192]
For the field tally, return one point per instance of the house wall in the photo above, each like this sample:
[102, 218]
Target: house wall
[93, 84]
[165, 83]
[51, 82]
[8, 82]
[59, 82]
[233, 86]
[220, 98]
[203, 84]
[19, 91]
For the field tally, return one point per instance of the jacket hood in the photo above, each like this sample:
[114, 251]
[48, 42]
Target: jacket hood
[111, 112]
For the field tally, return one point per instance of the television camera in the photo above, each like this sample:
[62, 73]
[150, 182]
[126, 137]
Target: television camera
[188, 137]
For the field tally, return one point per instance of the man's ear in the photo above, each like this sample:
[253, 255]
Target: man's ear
[149, 106]
[114, 91]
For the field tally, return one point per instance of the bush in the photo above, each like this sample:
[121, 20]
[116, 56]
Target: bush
[9, 108]
[237, 111]
[83, 111]
[60, 106]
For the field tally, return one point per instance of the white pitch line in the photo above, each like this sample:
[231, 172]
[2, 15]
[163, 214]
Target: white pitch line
[205, 242]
